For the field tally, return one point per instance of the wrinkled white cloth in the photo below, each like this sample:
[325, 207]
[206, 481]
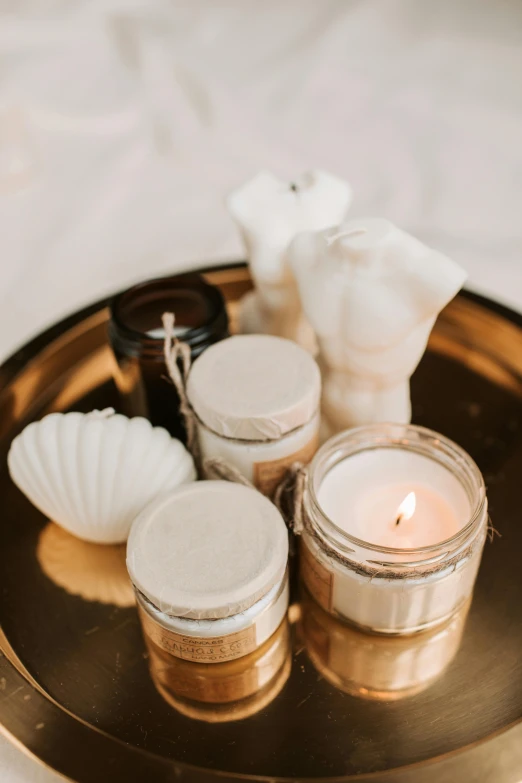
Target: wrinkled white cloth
[123, 124]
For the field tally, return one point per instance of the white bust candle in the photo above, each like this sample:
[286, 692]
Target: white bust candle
[270, 212]
[395, 524]
[371, 293]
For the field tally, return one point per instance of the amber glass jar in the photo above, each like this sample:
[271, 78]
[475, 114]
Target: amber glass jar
[136, 337]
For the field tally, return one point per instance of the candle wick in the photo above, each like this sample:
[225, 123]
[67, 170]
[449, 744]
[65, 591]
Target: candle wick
[398, 520]
[293, 187]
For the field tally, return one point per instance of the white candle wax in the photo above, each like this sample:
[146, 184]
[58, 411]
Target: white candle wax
[371, 293]
[270, 212]
[363, 494]
[159, 332]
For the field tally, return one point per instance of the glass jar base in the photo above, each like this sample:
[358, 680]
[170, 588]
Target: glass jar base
[409, 631]
[377, 668]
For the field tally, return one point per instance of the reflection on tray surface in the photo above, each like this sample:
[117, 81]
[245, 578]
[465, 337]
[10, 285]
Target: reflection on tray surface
[381, 668]
[219, 692]
[363, 665]
[95, 572]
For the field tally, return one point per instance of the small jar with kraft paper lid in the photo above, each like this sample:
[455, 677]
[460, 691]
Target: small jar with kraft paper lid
[209, 568]
[256, 398]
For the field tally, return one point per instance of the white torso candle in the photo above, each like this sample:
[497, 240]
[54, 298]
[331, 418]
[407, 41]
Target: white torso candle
[371, 293]
[270, 212]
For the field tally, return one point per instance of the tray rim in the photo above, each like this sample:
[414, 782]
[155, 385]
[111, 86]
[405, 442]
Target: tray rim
[17, 360]
[135, 764]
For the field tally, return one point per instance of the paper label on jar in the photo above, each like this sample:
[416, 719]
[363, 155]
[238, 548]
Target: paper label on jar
[317, 578]
[267, 475]
[211, 649]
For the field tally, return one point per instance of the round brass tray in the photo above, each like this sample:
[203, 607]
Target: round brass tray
[76, 689]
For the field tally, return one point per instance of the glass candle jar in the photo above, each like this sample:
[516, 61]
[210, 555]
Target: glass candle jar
[208, 564]
[136, 336]
[256, 398]
[395, 524]
[379, 668]
[226, 691]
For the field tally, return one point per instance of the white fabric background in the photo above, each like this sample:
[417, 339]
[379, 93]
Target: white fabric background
[124, 122]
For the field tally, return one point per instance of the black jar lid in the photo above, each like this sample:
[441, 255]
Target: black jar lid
[199, 308]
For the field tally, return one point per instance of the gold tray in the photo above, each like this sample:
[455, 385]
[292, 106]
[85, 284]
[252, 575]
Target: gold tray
[75, 685]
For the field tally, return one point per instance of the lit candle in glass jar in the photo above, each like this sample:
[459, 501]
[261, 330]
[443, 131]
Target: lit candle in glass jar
[394, 498]
[395, 522]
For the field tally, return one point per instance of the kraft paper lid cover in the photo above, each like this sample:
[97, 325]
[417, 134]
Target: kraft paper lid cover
[209, 550]
[254, 387]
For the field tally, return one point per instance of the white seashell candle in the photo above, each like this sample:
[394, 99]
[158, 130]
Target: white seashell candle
[270, 212]
[93, 473]
[372, 293]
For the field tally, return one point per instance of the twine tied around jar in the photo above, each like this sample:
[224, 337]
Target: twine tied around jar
[289, 497]
[178, 361]
[216, 467]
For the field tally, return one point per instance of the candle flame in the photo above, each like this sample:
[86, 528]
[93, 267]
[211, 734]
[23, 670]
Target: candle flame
[407, 507]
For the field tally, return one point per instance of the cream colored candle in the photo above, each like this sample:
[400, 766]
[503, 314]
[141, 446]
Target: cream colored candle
[371, 293]
[270, 212]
